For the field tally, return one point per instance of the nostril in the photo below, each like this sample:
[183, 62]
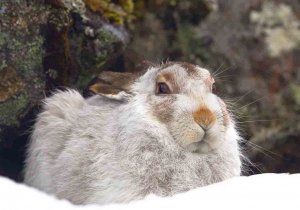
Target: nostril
[204, 127]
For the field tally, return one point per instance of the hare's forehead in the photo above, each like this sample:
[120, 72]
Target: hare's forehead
[185, 69]
[187, 74]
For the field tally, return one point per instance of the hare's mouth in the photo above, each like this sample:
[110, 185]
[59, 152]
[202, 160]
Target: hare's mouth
[198, 142]
[193, 147]
[199, 147]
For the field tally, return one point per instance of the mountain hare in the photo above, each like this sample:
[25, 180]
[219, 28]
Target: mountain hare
[168, 134]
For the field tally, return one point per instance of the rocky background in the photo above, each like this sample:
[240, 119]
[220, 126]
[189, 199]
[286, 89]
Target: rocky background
[253, 48]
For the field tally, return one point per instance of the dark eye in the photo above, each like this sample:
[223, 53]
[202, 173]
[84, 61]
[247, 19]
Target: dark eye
[214, 88]
[162, 88]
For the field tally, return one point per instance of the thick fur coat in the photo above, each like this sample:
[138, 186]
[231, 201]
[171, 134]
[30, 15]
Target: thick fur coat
[169, 134]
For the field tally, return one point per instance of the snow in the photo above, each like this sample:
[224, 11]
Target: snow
[265, 191]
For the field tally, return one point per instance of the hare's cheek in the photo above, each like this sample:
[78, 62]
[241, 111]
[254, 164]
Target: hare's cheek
[225, 118]
[185, 132]
[163, 111]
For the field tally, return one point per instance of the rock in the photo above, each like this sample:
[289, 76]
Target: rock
[21, 77]
[10, 84]
[78, 43]
[45, 45]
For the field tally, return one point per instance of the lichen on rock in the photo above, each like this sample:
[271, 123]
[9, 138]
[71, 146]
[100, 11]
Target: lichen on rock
[119, 12]
[77, 6]
[20, 56]
[10, 83]
[279, 25]
[295, 90]
[12, 109]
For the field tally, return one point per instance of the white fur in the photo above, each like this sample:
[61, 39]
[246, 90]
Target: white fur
[103, 150]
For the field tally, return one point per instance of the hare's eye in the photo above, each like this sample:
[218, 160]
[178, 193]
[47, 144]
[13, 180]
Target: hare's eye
[214, 88]
[162, 88]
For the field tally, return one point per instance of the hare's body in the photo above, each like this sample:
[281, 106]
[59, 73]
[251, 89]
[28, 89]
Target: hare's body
[104, 150]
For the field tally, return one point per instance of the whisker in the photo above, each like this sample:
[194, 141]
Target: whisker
[251, 103]
[215, 72]
[225, 76]
[224, 70]
[256, 166]
[246, 162]
[262, 148]
[263, 151]
[251, 121]
[241, 97]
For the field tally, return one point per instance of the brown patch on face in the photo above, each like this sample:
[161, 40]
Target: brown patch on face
[191, 69]
[169, 79]
[204, 117]
[163, 111]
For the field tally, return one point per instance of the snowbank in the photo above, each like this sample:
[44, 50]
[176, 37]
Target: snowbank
[266, 191]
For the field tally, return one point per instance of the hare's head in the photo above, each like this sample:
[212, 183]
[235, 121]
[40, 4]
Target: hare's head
[181, 97]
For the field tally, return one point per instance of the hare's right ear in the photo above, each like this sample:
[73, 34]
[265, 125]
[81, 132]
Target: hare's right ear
[113, 85]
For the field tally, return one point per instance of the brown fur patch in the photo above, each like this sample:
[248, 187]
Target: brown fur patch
[169, 79]
[191, 69]
[204, 117]
[163, 111]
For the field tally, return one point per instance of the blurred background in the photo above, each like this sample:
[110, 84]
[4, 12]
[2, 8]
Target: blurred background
[253, 48]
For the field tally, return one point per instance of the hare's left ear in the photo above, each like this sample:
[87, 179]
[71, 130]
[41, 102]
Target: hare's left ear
[113, 85]
[98, 99]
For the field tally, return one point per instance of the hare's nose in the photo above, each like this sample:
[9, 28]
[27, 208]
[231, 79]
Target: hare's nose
[204, 117]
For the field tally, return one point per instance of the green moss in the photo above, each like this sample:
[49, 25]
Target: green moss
[3, 38]
[295, 90]
[128, 5]
[122, 11]
[115, 12]
[21, 49]
[3, 64]
[104, 47]
[15, 44]
[83, 80]
[33, 57]
[106, 37]
[24, 54]
[189, 44]
[27, 52]
[9, 109]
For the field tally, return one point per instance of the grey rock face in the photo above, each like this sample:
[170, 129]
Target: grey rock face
[45, 45]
